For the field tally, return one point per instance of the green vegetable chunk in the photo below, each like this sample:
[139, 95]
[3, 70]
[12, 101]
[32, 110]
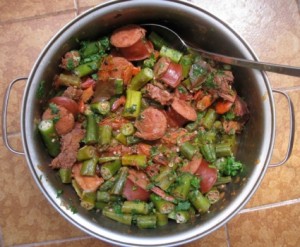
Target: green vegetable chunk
[50, 137]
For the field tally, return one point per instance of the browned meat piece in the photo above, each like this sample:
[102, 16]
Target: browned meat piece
[160, 95]
[72, 93]
[69, 147]
[231, 127]
[70, 60]
[240, 107]
[223, 82]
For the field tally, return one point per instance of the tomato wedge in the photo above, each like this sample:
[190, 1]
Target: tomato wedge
[208, 176]
[67, 103]
[173, 75]
[133, 192]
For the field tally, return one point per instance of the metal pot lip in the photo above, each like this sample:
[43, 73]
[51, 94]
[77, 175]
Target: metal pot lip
[230, 211]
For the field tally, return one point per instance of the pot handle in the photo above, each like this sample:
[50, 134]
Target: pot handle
[4, 116]
[292, 129]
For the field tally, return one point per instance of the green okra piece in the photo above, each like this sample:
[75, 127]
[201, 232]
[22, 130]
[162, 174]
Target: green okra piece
[223, 150]
[68, 80]
[186, 62]
[223, 180]
[118, 86]
[127, 129]
[141, 79]
[104, 134]
[109, 169]
[88, 167]
[161, 205]
[105, 196]
[132, 140]
[121, 138]
[108, 159]
[91, 135]
[108, 184]
[120, 217]
[133, 103]
[50, 137]
[161, 219]
[100, 205]
[209, 118]
[182, 217]
[138, 160]
[157, 40]
[173, 54]
[65, 175]
[165, 177]
[86, 152]
[188, 150]
[187, 83]
[89, 49]
[135, 207]
[213, 195]
[117, 189]
[88, 199]
[209, 152]
[101, 107]
[146, 221]
[86, 68]
[77, 188]
[182, 188]
[199, 201]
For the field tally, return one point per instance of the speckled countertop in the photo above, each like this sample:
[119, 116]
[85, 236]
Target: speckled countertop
[271, 27]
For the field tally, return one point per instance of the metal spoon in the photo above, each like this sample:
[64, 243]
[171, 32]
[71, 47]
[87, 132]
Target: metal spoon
[183, 45]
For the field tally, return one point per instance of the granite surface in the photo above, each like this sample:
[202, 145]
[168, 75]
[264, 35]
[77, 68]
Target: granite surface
[272, 216]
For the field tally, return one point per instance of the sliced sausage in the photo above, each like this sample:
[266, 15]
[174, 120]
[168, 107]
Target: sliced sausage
[115, 67]
[152, 125]
[158, 94]
[67, 103]
[65, 119]
[174, 119]
[130, 42]
[139, 51]
[127, 36]
[184, 109]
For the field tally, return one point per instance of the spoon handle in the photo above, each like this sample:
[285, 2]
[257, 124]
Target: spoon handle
[276, 68]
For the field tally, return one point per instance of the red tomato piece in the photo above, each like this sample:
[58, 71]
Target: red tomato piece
[133, 192]
[173, 75]
[67, 103]
[208, 176]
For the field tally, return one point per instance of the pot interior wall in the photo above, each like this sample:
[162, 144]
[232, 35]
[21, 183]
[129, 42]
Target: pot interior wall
[198, 27]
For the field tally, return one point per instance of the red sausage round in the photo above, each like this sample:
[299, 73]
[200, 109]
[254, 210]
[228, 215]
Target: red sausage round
[184, 109]
[152, 125]
[127, 36]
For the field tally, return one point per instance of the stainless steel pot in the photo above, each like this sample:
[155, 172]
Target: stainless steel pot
[193, 24]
